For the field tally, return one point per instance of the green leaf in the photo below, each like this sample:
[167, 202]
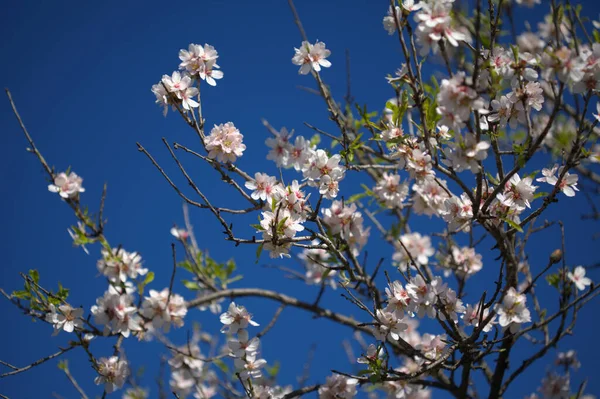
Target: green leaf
[221, 365]
[273, 371]
[149, 278]
[315, 140]
[35, 275]
[190, 285]
[22, 295]
[259, 251]
[513, 225]
[553, 280]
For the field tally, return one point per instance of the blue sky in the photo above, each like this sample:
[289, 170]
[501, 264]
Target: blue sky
[81, 76]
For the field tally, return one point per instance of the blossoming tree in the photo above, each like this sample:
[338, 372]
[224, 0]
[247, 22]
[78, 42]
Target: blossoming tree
[466, 150]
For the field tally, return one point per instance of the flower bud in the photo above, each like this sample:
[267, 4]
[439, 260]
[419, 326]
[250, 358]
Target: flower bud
[556, 256]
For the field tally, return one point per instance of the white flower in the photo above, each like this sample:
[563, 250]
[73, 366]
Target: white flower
[65, 318]
[512, 311]
[136, 393]
[555, 386]
[391, 191]
[180, 86]
[465, 261]
[466, 154]
[243, 345]
[517, 192]
[280, 147]
[250, 366]
[225, 143]
[578, 278]
[424, 295]
[194, 58]
[399, 300]
[180, 234]
[263, 186]
[458, 212]
[236, 318]
[419, 250]
[568, 359]
[390, 325]
[162, 97]
[311, 57]
[67, 186]
[429, 196]
[313, 260]
[371, 356]
[338, 387]
[452, 305]
[112, 372]
[210, 73]
[568, 184]
[116, 312]
[163, 310]
[473, 314]
[120, 264]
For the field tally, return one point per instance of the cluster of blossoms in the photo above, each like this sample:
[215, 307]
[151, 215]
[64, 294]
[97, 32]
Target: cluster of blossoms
[67, 186]
[430, 196]
[118, 265]
[112, 372]
[436, 23]
[199, 63]
[190, 374]
[163, 309]
[456, 100]
[315, 261]
[178, 89]
[413, 247]
[345, 220]
[242, 348]
[391, 191]
[338, 387]
[568, 184]
[462, 261]
[285, 209]
[225, 143]
[116, 311]
[558, 386]
[318, 168]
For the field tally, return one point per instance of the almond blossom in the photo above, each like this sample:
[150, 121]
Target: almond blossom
[473, 315]
[419, 250]
[163, 309]
[578, 278]
[311, 57]
[64, 317]
[512, 311]
[391, 191]
[180, 86]
[518, 193]
[225, 143]
[112, 372]
[568, 184]
[263, 186]
[67, 186]
[119, 264]
[338, 387]
[236, 318]
[116, 312]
